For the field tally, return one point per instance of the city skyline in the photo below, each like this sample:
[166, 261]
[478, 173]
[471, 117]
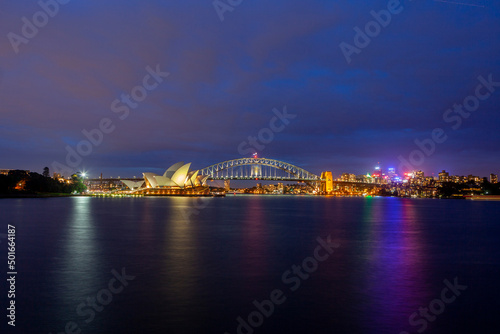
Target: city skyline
[91, 173]
[382, 170]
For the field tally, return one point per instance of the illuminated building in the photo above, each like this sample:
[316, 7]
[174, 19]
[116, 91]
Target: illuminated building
[377, 174]
[6, 171]
[178, 176]
[429, 180]
[21, 185]
[444, 176]
[458, 179]
[103, 185]
[346, 177]
[177, 180]
[391, 173]
[493, 178]
[473, 178]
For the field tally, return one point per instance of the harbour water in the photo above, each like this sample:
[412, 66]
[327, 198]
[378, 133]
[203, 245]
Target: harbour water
[253, 264]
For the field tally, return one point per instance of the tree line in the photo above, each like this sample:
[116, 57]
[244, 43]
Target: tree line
[23, 182]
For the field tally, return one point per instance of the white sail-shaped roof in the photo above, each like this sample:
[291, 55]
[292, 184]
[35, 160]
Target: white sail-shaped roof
[172, 169]
[133, 184]
[201, 179]
[150, 179]
[192, 179]
[164, 181]
[180, 176]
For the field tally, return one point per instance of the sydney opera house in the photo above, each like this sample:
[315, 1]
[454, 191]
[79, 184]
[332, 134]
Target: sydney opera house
[177, 180]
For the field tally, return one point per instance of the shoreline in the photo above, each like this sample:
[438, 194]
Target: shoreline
[39, 195]
[51, 195]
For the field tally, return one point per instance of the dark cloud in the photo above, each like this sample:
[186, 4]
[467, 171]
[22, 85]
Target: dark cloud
[226, 78]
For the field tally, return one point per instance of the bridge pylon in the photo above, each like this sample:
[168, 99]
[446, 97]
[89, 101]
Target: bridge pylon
[327, 185]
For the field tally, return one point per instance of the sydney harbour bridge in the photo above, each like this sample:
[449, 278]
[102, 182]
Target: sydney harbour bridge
[257, 168]
[274, 170]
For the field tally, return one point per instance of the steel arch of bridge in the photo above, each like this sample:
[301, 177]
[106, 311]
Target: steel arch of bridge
[297, 173]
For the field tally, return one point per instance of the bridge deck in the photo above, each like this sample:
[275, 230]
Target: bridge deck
[264, 178]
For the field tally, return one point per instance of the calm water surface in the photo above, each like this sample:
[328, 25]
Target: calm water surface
[198, 271]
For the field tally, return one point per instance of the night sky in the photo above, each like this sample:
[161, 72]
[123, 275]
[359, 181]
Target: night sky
[227, 76]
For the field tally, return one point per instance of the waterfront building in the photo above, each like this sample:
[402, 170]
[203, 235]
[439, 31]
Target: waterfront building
[6, 171]
[444, 176]
[177, 179]
[177, 176]
[106, 185]
[493, 178]
[429, 180]
[474, 178]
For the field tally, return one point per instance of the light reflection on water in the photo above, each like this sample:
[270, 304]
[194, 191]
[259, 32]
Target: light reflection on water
[80, 248]
[395, 263]
[200, 274]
